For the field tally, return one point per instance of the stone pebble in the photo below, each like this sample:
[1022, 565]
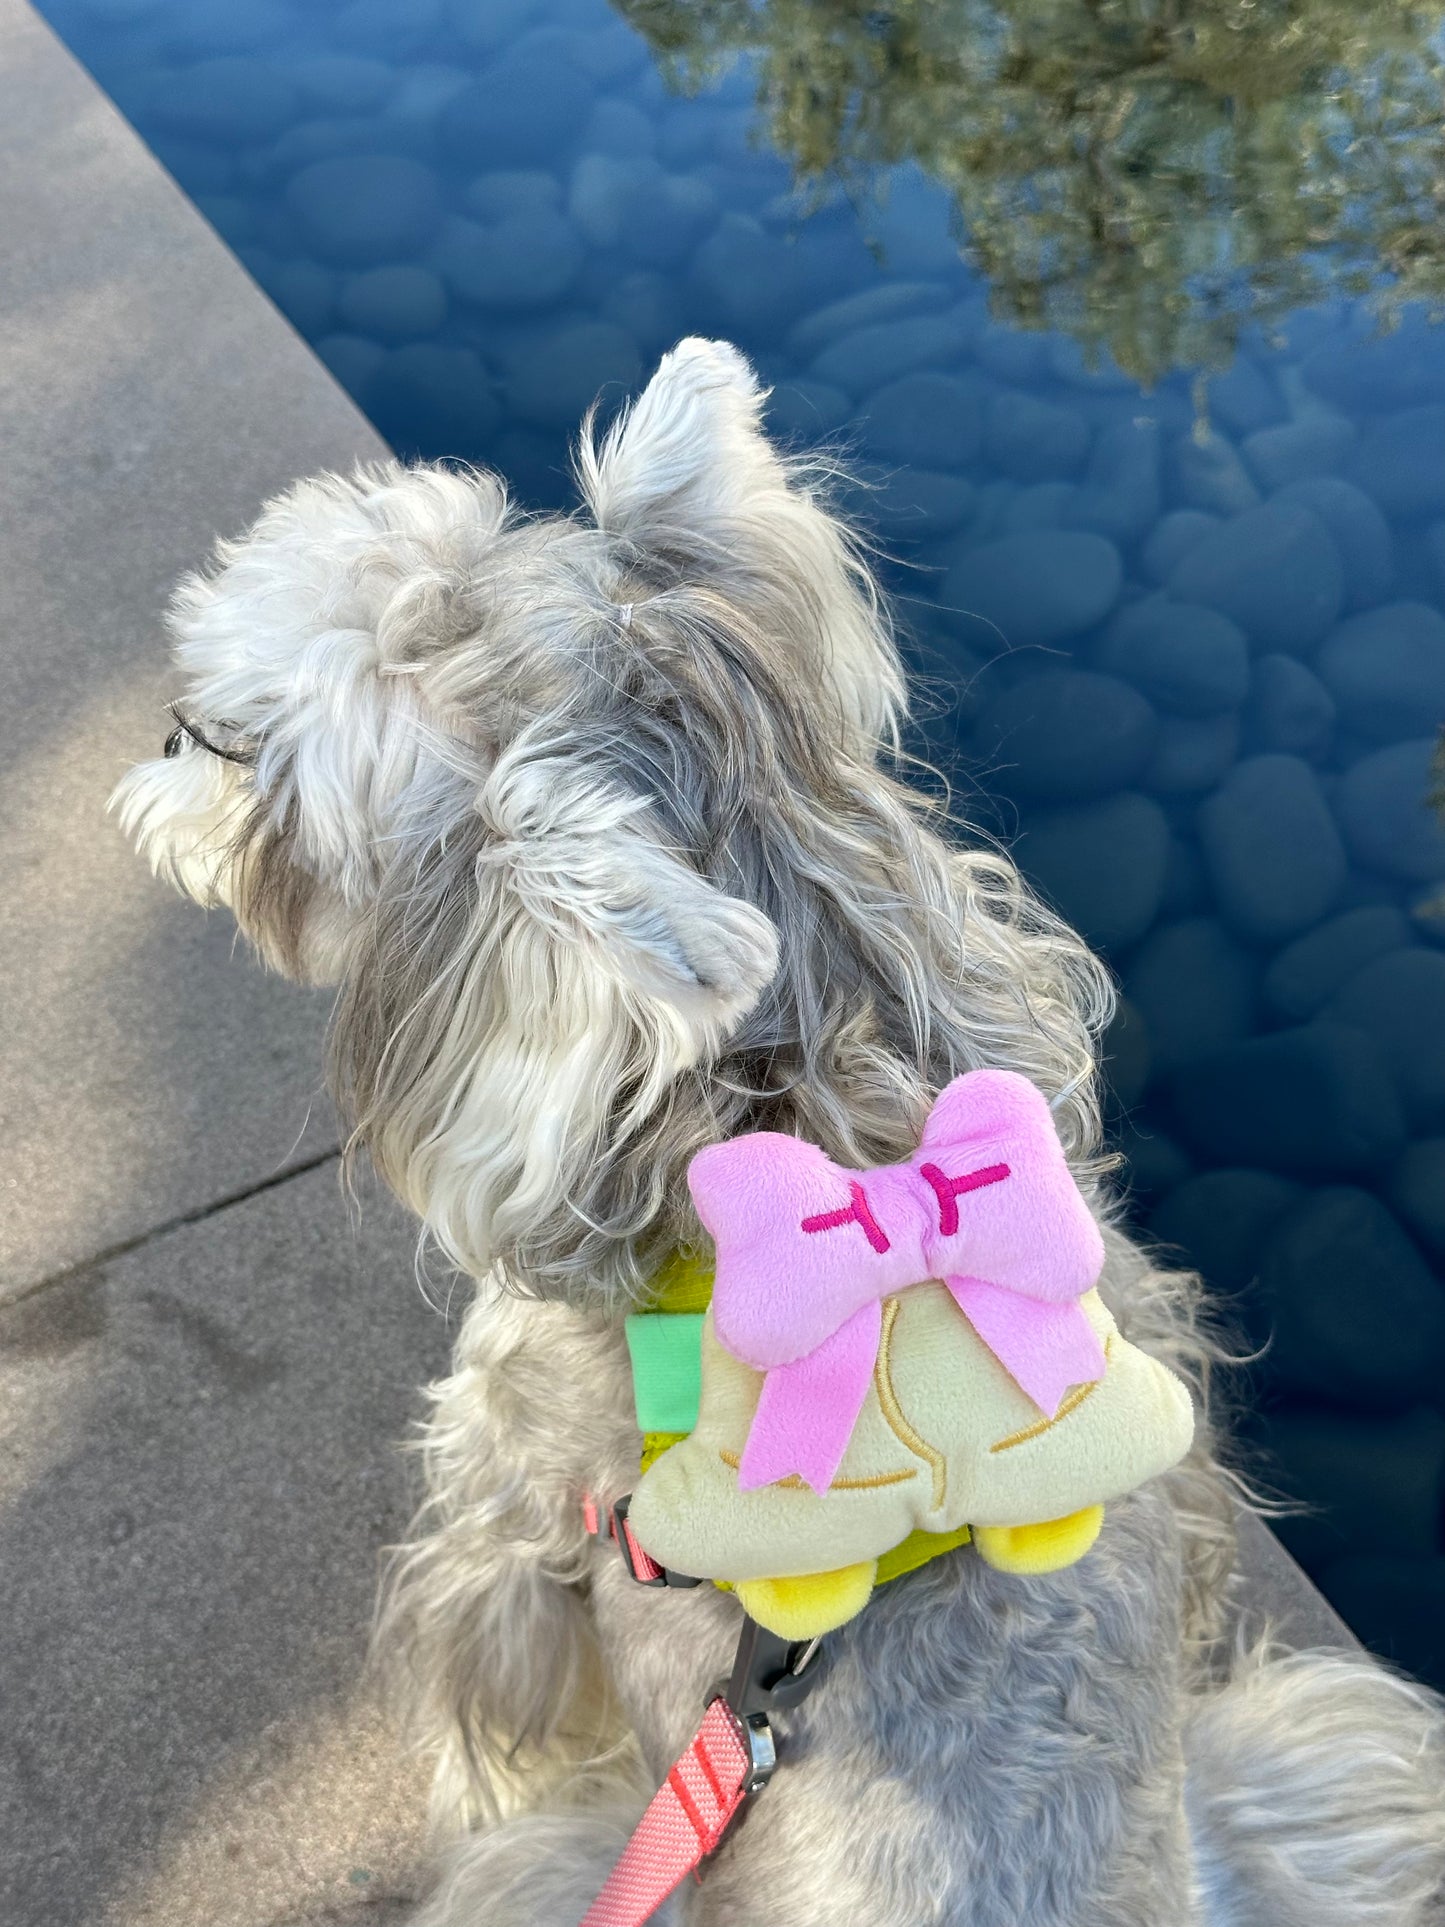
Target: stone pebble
[1037, 589]
[884, 301]
[801, 411]
[335, 137]
[1205, 472]
[1386, 670]
[1186, 887]
[1416, 1193]
[1426, 911]
[1271, 847]
[1065, 734]
[1191, 754]
[1218, 1221]
[1357, 1317]
[1298, 451]
[486, 25]
[1244, 398]
[655, 218]
[1171, 540]
[1095, 371]
[393, 28]
[554, 375]
[505, 191]
[1288, 708]
[1033, 441]
[915, 504]
[1367, 1484]
[1121, 490]
[304, 291]
[607, 54]
[232, 100]
[1154, 1163]
[619, 127]
[1385, 815]
[1396, 1605]
[649, 308]
[1195, 988]
[1101, 865]
[420, 94]
[913, 226]
[203, 169]
[1304, 975]
[926, 419]
[1184, 657]
[397, 303]
[203, 28]
[524, 260]
[524, 110]
[1012, 354]
[1360, 532]
[1124, 1058]
[342, 83]
[1388, 372]
[358, 211]
[1274, 570]
[1037, 505]
[352, 359]
[1398, 1000]
[750, 280]
[434, 400]
[1398, 461]
[1315, 1100]
[868, 357]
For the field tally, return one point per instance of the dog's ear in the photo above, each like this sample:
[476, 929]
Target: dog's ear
[688, 480]
[586, 862]
[524, 1000]
[688, 457]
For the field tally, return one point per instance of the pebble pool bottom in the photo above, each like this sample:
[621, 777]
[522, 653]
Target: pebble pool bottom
[1201, 674]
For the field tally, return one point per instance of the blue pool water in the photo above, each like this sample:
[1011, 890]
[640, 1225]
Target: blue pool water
[1182, 642]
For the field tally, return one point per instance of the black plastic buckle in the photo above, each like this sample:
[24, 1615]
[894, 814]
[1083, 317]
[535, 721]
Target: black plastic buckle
[770, 1675]
[640, 1565]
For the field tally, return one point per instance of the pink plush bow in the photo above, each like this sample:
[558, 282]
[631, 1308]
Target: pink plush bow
[807, 1252]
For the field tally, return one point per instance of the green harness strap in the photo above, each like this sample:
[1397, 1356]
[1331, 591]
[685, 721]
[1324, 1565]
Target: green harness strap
[666, 1349]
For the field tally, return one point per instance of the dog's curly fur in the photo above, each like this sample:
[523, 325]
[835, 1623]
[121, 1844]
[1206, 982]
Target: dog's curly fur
[589, 820]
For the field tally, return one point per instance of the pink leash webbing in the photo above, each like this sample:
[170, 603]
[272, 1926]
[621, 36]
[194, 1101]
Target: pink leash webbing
[687, 1817]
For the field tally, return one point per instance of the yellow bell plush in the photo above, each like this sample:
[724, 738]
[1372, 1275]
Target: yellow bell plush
[913, 1349]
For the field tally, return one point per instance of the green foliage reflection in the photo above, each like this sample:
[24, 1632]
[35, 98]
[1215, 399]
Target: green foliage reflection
[1152, 175]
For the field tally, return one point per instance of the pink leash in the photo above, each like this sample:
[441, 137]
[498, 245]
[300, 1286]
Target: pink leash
[730, 1757]
[689, 1814]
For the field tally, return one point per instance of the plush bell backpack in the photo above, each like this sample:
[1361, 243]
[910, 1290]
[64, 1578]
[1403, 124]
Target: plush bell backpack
[876, 1367]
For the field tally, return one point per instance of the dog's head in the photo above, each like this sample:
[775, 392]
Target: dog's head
[585, 818]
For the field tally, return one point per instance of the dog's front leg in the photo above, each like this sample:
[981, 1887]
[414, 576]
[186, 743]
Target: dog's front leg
[487, 1613]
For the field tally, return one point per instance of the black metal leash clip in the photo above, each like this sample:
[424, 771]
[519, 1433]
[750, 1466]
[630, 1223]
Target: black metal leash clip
[770, 1675]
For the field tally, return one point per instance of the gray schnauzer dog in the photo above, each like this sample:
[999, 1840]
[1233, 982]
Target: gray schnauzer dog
[592, 823]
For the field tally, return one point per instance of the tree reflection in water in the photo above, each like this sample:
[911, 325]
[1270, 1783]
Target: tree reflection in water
[1153, 176]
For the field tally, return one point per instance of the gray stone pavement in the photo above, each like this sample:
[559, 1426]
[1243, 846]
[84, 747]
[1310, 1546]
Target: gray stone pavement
[197, 1460]
[205, 1360]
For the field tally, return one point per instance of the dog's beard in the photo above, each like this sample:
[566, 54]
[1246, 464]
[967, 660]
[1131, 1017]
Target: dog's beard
[193, 817]
[184, 814]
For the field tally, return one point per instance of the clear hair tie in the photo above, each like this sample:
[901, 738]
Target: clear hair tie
[626, 617]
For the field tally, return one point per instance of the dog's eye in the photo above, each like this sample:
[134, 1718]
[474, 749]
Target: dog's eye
[185, 727]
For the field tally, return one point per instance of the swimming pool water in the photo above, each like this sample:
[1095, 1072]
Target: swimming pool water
[1180, 642]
